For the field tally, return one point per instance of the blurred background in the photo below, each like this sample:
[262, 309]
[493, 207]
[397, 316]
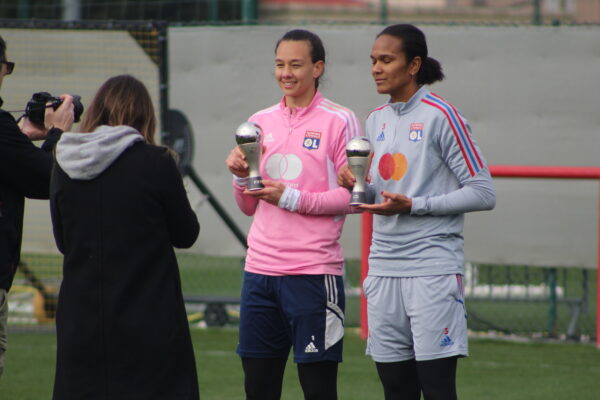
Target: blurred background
[524, 73]
[336, 11]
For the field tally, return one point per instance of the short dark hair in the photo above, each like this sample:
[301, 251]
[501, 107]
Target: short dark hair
[2, 49]
[414, 45]
[317, 50]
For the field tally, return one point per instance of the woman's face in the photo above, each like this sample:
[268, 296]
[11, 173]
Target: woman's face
[295, 72]
[392, 74]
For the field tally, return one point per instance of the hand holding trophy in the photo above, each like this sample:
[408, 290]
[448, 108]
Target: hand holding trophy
[358, 152]
[248, 136]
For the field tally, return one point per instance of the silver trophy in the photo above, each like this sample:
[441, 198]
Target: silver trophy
[358, 152]
[247, 136]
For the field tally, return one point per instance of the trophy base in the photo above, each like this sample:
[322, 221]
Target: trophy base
[254, 183]
[358, 198]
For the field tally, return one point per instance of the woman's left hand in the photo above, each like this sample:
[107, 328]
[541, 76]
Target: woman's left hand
[31, 130]
[393, 203]
[271, 193]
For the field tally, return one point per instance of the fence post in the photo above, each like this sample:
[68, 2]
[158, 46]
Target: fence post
[71, 10]
[552, 301]
[598, 276]
[365, 247]
[537, 13]
[23, 9]
[383, 12]
[248, 11]
[213, 11]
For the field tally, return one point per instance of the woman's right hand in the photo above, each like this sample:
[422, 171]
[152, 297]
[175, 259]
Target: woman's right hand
[345, 177]
[63, 117]
[236, 163]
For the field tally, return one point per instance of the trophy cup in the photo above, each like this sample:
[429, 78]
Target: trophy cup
[247, 137]
[358, 152]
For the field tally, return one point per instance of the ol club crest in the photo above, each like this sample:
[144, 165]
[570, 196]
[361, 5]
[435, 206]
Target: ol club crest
[416, 132]
[312, 140]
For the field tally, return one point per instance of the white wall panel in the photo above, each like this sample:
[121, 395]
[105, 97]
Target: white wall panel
[532, 95]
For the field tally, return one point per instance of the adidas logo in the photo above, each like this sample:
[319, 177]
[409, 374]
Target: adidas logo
[381, 137]
[446, 341]
[310, 348]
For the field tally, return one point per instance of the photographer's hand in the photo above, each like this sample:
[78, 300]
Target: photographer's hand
[61, 118]
[31, 130]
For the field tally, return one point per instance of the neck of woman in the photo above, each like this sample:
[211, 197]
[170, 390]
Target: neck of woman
[300, 101]
[406, 93]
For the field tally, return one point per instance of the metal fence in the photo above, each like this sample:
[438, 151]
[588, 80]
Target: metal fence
[531, 301]
[535, 12]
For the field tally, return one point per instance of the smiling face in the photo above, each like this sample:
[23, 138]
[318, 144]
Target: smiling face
[296, 73]
[392, 72]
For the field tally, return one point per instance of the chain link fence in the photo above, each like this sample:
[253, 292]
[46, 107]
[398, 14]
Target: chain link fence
[310, 11]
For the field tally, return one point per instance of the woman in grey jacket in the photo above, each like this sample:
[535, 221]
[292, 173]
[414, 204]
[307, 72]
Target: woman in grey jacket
[118, 207]
[426, 173]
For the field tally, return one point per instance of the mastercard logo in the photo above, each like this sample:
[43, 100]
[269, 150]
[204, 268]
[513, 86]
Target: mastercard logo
[392, 166]
[283, 166]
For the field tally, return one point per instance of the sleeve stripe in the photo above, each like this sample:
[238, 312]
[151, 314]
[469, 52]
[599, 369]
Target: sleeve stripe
[342, 116]
[266, 110]
[352, 128]
[462, 124]
[354, 125]
[462, 131]
[458, 128]
[456, 135]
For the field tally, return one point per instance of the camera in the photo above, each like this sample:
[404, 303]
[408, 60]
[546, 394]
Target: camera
[36, 107]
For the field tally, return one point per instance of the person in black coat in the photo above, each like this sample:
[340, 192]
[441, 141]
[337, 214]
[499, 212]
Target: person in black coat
[118, 207]
[24, 172]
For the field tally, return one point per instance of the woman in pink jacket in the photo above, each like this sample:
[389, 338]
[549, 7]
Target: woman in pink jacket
[292, 293]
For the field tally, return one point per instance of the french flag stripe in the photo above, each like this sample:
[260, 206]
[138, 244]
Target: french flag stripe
[464, 129]
[456, 135]
[462, 132]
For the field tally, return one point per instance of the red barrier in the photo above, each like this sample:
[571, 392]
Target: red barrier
[497, 171]
[365, 245]
[555, 172]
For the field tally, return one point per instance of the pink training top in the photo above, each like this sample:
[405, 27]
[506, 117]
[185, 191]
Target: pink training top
[304, 149]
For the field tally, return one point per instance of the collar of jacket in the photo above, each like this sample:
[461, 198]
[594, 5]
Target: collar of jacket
[299, 112]
[402, 108]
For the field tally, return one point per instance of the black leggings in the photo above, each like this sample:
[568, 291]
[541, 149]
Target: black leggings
[405, 380]
[263, 379]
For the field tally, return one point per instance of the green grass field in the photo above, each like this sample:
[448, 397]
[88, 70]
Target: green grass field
[496, 370]
[222, 276]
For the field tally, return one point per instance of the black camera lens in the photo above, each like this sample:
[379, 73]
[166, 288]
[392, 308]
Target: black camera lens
[77, 107]
[36, 107]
